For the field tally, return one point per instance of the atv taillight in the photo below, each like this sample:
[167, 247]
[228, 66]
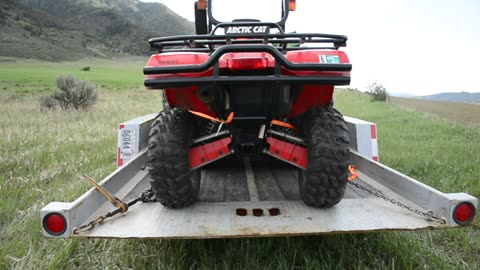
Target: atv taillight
[247, 63]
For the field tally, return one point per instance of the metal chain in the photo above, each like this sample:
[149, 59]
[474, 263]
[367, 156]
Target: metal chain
[146, 197]
[377, 193]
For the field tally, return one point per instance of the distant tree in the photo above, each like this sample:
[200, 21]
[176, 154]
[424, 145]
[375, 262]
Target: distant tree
[378, 92]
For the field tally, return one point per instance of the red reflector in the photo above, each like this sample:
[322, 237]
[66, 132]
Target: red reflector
[55, 224]
[247, 63]
[464, 213]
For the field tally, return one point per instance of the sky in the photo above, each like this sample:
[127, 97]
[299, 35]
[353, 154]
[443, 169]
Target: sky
[419, 47]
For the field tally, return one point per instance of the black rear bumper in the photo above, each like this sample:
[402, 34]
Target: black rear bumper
[223, 80]
[215, 56]
[281, 61]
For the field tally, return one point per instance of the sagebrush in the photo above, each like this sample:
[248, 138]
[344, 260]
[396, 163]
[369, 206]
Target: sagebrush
[71, 94]
[378, 92]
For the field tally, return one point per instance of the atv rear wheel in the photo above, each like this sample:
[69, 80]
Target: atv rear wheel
[169, 141]
[323, 183]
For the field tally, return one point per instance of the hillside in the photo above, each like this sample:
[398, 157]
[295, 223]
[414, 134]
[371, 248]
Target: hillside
[455, 97]
[71, 29]
[458, 112]
[465, 97]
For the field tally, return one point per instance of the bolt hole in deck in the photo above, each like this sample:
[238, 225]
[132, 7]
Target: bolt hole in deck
[258, 212]
[274, 212]
[242, 212]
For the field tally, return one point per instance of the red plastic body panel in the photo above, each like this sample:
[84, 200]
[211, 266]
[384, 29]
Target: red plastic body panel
[184, 97]
[314, 56]
[175, 59]
[288, 152]
[312, 95]
[204, 154]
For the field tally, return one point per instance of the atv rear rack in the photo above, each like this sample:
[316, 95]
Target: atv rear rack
[277, 45]
[208, 42]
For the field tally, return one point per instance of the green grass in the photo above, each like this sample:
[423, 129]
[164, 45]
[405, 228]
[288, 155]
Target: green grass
[44, 154]
[30, 76]
[438, 152]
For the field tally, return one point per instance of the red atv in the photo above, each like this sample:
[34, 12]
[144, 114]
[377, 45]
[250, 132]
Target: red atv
[247, 86]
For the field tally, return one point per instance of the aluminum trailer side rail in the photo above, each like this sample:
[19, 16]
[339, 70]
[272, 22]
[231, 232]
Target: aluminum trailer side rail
[240, 185]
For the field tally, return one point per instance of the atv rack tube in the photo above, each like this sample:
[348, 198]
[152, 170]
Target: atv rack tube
[244, 198]
[195, 41]
[285, 12]
[178, 82]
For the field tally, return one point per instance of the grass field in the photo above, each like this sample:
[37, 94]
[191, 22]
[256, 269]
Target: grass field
[27, 76]
[44, 154]
[465, 113]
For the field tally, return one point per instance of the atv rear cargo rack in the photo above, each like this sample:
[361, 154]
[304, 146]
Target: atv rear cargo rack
[277, 45]
[196, 42]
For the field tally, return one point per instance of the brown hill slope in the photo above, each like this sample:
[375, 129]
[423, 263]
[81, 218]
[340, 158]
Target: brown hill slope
[464, 113]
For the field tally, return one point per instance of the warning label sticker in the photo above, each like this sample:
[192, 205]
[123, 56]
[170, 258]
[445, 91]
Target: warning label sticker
[329, 59]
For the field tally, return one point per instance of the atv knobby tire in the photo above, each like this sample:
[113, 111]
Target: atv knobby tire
[169, 141]
[323, 183]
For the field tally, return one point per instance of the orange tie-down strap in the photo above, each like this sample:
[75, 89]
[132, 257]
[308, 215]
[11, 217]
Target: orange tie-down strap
[354, 174]
[206, 116]
[283, 124]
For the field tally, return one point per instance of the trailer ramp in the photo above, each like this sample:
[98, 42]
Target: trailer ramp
[252, 196]
[225, 189]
